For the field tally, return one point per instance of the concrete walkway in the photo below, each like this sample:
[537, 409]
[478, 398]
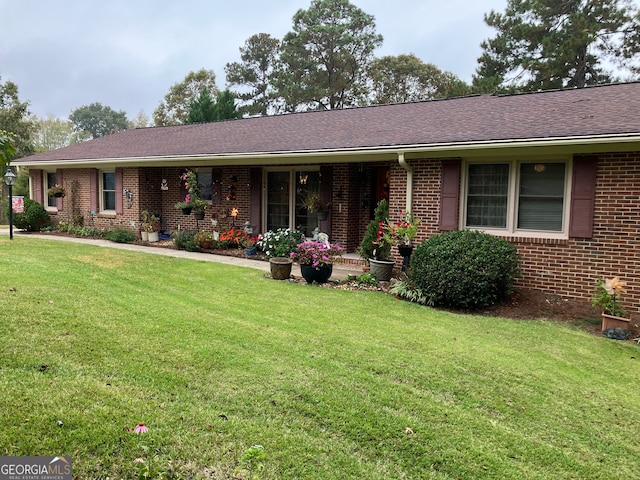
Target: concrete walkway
[340, 272]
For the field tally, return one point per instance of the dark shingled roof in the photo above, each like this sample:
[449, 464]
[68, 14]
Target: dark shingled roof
[594, 111]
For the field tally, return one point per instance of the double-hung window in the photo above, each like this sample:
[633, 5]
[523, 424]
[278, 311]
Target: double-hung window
[108, 187]
[517, 197]
[51, 181]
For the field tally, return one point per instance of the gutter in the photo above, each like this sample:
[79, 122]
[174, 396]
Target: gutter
[348, 154]
[409, 169]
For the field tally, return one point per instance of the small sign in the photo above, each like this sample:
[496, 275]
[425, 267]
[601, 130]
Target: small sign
[17, 204]
[35, 468]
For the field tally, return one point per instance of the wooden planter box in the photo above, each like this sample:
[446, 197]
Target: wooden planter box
[611, 321]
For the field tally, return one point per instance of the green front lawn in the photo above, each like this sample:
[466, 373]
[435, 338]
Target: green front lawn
[333, 384]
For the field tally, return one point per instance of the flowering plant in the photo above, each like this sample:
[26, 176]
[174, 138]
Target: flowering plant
[406, 229]
[193, 197]
[384, 241]
[234, 237]
[279, 243]
[249, 242]
[56, 190]
[607, 291]
[315, 253]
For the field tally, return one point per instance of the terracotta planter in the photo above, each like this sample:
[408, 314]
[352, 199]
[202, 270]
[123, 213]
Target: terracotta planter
[317, 275]
[381, 269]
[280, 268]
[611, 321]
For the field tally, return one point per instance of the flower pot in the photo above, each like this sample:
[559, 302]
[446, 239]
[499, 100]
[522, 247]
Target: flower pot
[58, 195]
[144, 235]
[251, 251]
[381, 269]
[153, 237]
[186, 211]
[319, 274]
[611, 321]
[322, 216]
[405, 251]
[280, 268]
[198, 215]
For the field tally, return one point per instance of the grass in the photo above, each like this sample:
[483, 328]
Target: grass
[333, 384]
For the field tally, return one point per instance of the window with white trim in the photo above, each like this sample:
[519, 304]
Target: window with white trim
[108, 191]
[517, 196]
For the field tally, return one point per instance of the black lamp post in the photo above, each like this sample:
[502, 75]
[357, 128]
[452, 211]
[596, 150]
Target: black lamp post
[10, 180]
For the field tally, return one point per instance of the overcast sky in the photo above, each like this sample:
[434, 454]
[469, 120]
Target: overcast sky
[126, 54]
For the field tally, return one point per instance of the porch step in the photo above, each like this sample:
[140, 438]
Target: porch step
[351, 260]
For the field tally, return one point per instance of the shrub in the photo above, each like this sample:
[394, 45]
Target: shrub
[370, 239]
[184, 240]
[34, 217]
[120, 235]
[464, 269]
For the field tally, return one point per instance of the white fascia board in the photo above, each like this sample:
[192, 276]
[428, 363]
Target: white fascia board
[382, 153]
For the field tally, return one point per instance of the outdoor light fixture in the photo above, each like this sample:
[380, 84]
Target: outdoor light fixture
[10, 180]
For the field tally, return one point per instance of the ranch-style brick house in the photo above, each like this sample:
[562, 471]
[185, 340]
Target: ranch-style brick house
[556, 172]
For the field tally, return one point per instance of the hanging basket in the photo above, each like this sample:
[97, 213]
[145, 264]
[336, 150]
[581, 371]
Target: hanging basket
[186, 211]
[198, 215]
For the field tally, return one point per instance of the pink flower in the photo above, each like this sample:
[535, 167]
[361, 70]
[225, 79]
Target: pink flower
[140, 428]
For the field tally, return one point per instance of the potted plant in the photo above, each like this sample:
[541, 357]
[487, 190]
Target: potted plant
[277, 246]
[314, 203]
[316, 258]
[185, 206]
[249, 245]
[376, 244]
[606, 297]
[199, 206]
[56, 191]
[404, 231]
[150, 226]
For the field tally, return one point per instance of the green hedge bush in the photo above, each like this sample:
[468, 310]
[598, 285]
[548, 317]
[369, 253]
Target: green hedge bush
[33, 219]
[464, 269]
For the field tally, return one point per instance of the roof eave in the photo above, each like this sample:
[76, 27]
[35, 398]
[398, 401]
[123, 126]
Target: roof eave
[579, 144]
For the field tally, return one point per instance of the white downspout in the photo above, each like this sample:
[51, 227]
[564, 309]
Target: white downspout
[409, 169]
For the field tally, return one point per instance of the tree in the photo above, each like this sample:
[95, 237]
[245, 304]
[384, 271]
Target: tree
[98, 120]
[202, 109]
[174, 110]
[141, 120]
[226, 106]
[545, 44]
[259, 59]
[14, 119]
[406, 78]
[324, 58]
[53, 132]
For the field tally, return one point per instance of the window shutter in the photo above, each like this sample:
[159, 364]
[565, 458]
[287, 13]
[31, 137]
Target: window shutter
[255, 198]
[93, 191]
[450, 194]
[119, 194]
[583, 189]
[36, 178]
[326, 183]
